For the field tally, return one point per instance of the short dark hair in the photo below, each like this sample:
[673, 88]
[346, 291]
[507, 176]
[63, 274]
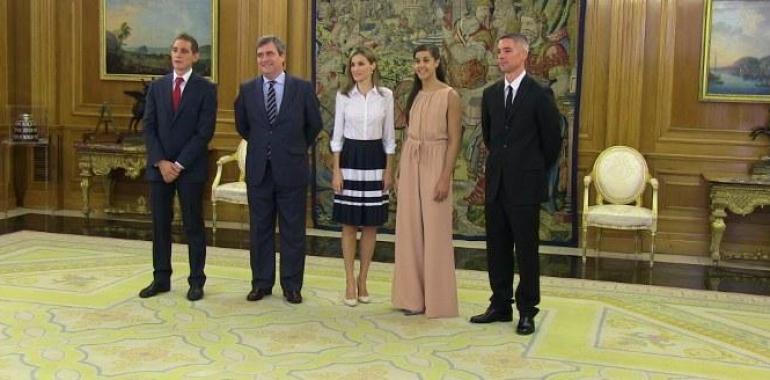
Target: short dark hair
[279, 45]
[186, 37]
[516, 37]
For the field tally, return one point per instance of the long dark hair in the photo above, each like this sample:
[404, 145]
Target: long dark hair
[372, 59]
[416, 82]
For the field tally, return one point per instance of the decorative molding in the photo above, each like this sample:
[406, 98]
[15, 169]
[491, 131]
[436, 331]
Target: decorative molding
[694, 136]
[626, 74]
[595, 66]
[4, 98]
[664, 131]
[273, 18]
[665, 83]
[245, 62]
[758, 254]
[43, 23]
[683, 129]
[300, 38]
[697, 157]
[742, 201]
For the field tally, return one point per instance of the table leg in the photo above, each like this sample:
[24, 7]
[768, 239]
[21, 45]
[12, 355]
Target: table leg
[718, 227]
[85, 185]
[109, 186]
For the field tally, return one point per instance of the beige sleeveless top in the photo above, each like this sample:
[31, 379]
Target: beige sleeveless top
[428, 116]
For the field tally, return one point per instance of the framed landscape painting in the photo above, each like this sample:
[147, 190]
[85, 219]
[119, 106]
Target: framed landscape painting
[735, 65]
[136, 36]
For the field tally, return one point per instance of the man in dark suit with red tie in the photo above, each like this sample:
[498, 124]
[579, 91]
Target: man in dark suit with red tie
[521, 129]
[179, 120]
[279, 116]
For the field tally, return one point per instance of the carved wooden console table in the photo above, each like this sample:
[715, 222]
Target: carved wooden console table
[101, 160]
[741, 194]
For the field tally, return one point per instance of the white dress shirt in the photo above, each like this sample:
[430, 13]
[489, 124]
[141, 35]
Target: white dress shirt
[186, 78]
[360, 117]
[515, 83]
[280, 83]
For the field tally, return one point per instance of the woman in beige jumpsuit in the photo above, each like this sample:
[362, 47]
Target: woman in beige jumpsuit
[424, 274]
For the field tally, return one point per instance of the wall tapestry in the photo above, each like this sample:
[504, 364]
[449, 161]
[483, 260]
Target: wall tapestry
[466, 32]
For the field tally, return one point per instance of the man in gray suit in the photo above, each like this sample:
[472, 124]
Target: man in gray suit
[279, 116]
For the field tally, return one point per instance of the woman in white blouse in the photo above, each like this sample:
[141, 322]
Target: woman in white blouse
[363, 144]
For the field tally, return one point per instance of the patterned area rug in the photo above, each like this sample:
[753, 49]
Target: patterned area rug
[69, 310]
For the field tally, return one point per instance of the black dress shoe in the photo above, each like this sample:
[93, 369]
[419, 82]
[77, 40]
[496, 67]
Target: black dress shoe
[526, 325]
[492, 315]
[195, 293]
[153, 289]
[257, 294]
[293, 296]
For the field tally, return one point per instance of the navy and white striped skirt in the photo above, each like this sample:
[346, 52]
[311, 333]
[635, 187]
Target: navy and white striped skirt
[362, 201]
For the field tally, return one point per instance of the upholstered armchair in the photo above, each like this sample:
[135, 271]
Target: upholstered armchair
[620, 176]
[231, 192]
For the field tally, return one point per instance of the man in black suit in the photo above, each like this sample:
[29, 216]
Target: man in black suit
[179, 120]
[279, 116]
[520, 124]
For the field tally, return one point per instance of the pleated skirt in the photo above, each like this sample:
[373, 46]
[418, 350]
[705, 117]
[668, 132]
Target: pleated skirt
[362, 201]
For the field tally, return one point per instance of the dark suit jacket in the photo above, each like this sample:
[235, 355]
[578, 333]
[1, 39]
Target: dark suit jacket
[297, 125]
[182, 136]
[521, 147]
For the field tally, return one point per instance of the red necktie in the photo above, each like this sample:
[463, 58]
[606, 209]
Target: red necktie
[176, 95]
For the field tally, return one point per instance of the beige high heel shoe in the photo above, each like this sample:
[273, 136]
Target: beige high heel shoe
[362, 299]
[350, 301]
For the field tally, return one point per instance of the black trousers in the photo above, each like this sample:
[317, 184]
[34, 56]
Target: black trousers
[510, 226]
[191, 202]
[266, 201]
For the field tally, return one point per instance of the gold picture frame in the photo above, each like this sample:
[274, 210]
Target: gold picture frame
[735, 60]
[136, 35]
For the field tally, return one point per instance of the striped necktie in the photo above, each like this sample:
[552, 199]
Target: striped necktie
[272, 106]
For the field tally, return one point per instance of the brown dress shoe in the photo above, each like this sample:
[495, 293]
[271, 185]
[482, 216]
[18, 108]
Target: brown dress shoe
[257, 294]
[153, 289]
[293, 296]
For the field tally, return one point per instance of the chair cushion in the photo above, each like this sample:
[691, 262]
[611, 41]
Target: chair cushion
[233, 192]
[620, 173]
[619, 217]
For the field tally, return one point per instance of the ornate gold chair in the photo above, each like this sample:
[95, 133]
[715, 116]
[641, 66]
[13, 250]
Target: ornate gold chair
[231, 192]
[620, 175]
